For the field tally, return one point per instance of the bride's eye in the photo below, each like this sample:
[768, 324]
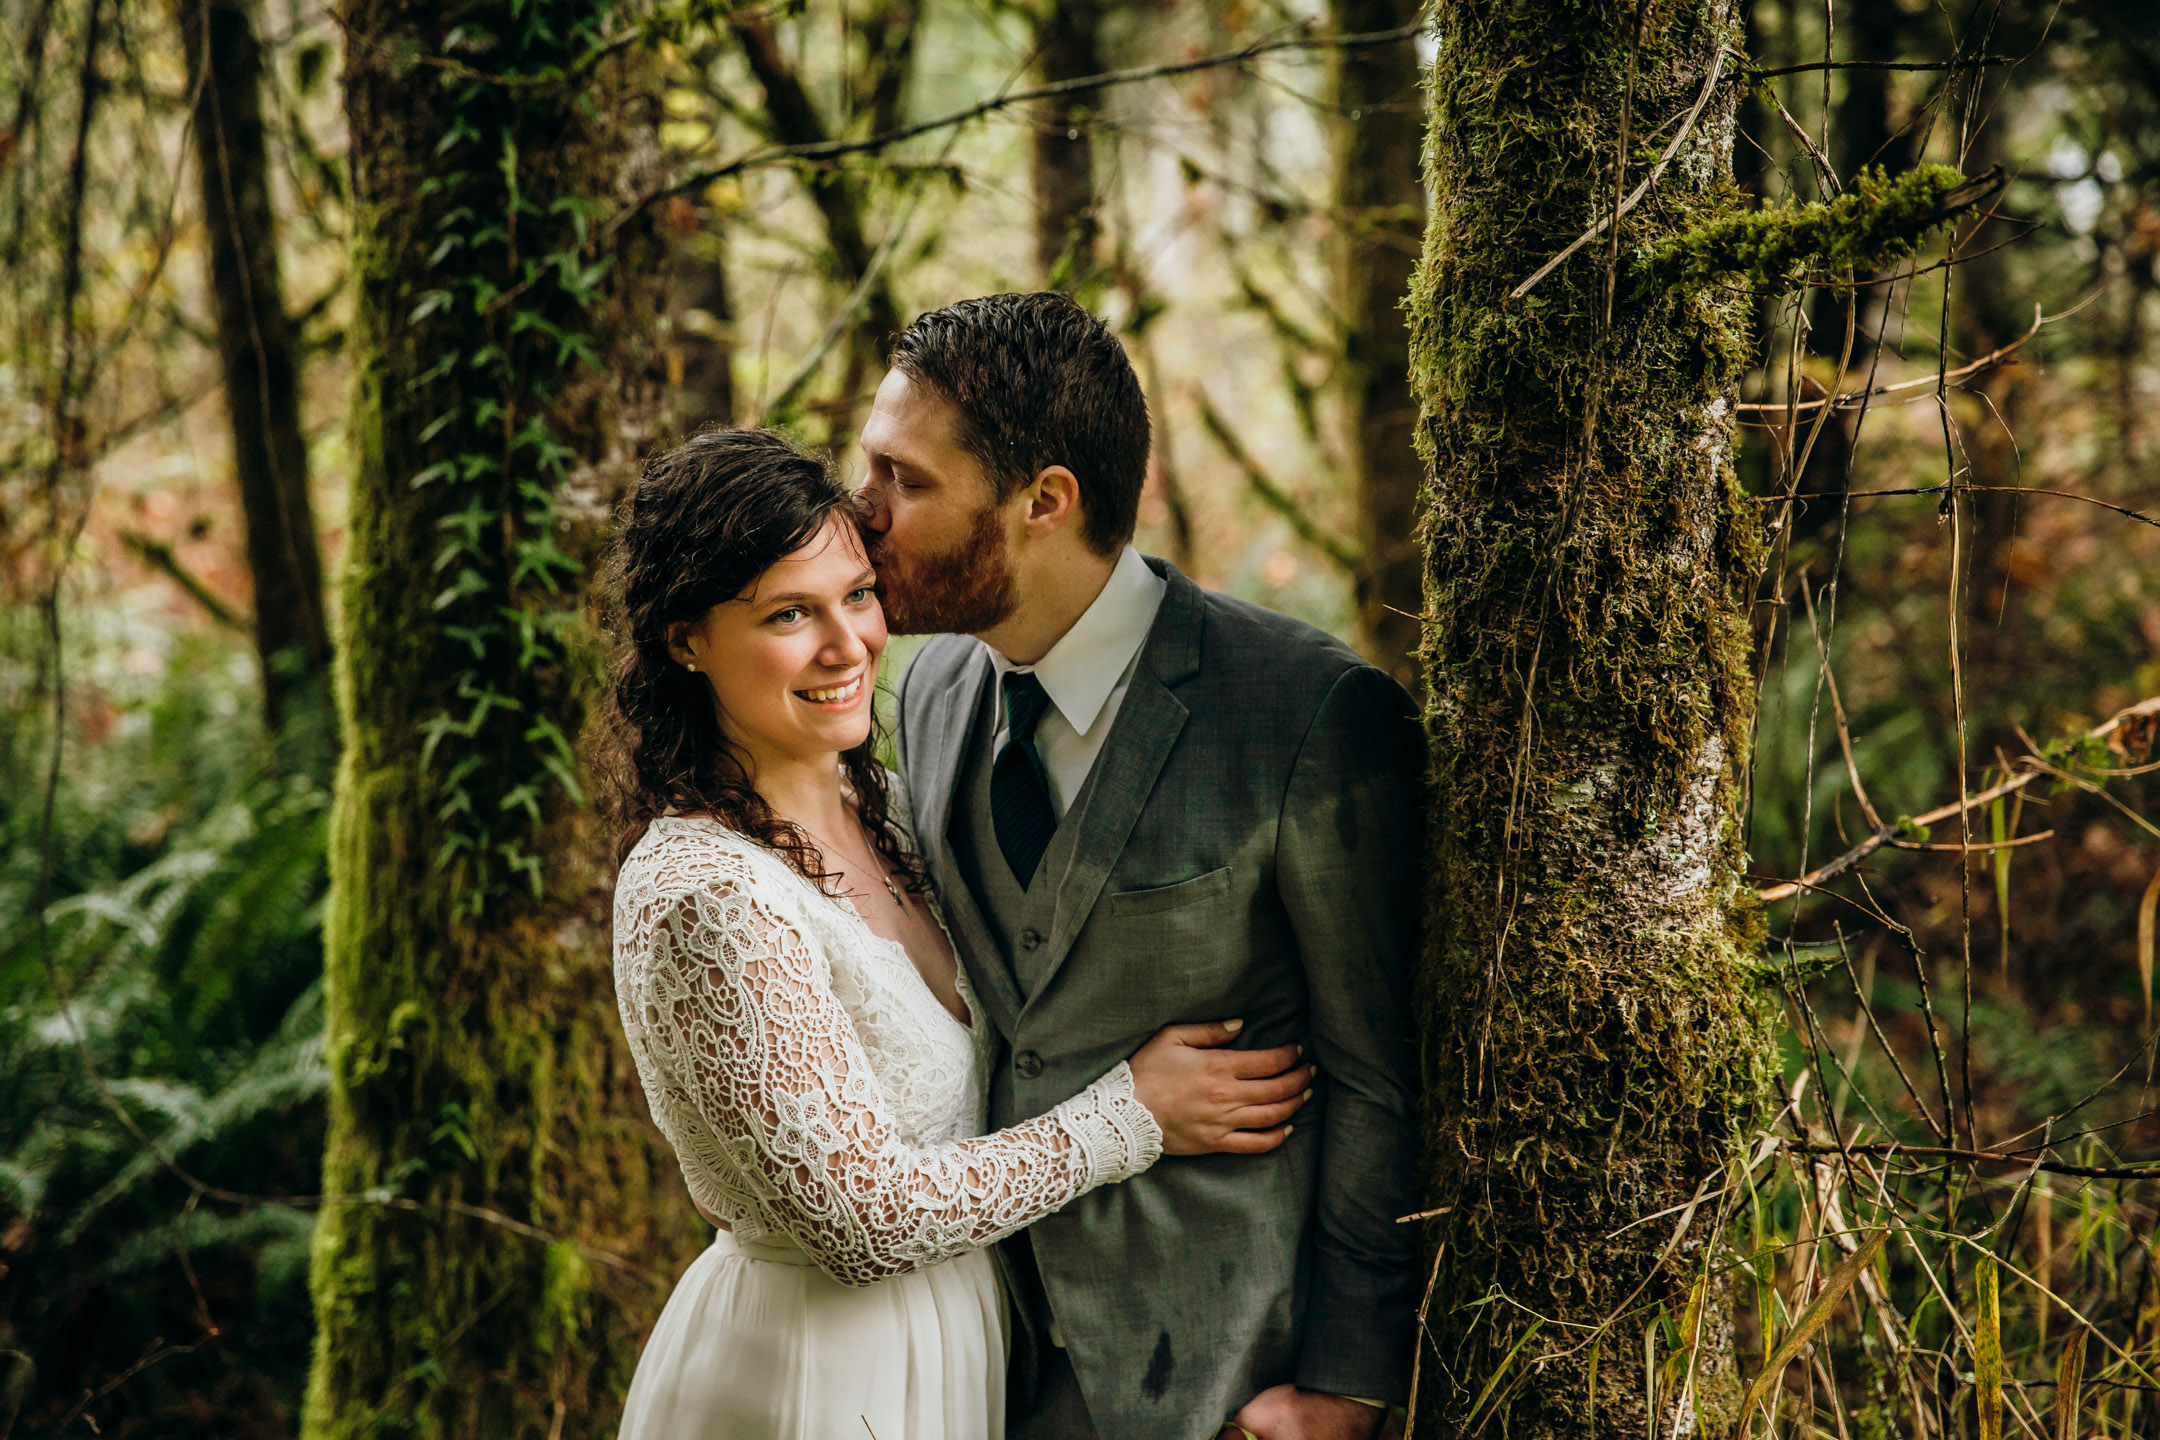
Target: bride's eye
[859, 595]
[785, 617]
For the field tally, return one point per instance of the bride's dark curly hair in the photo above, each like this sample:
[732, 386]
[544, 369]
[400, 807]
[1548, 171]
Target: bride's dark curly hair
[705, 521]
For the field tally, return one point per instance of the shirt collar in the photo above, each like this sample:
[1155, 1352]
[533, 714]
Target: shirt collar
[1085, 666]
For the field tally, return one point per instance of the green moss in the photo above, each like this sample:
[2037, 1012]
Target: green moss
[477, 1067]
[1597, 1044]
[1877, 222]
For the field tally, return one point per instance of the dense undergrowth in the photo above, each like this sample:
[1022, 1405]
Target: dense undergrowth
[184, 930]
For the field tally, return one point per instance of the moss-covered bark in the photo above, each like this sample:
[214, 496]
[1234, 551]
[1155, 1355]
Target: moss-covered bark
[1600, 1048]
[1598, 1045]
[476, 1061]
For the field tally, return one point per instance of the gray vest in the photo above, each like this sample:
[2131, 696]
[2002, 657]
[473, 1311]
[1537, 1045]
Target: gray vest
[1019, 919]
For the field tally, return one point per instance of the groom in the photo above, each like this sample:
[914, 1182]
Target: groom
[1143, 803]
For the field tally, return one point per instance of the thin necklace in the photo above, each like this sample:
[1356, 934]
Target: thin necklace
[899, 897]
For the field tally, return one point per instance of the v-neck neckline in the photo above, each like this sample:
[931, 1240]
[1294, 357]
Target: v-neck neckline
[895, 949]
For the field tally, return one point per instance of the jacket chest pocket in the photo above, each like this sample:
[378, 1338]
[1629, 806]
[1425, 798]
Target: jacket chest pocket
[1180, 951]
[1161, 899]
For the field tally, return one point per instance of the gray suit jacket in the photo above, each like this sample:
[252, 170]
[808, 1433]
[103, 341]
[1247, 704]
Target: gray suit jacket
[1250, 848]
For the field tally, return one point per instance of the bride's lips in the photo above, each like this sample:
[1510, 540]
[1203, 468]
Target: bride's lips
[836, 698]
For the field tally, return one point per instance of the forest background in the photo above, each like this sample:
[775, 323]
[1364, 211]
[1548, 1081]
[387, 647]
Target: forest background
[1237, 188]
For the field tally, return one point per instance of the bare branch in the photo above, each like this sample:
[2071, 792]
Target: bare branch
[2034, 768]
[1337, 549]
[1890, 1148]
[1086, 84]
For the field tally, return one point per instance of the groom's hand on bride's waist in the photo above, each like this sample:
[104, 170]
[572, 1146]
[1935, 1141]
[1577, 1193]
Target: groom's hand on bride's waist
[1284, 1412]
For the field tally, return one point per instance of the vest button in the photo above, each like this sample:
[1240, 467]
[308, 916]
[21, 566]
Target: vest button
[1028, 1063]
[1030, 940]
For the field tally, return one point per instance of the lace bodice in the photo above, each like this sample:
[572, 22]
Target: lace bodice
[810, 1082]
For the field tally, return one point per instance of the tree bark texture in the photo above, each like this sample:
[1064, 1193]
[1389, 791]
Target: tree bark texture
[504, 1221]
[1599, 1046]
[258, 352]
[1068, 40]
[1380, 207]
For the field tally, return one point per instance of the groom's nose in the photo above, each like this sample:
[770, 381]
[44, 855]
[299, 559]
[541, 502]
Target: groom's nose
[870, 509]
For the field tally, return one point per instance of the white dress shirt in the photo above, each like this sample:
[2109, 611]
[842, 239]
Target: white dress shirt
[1086, 675]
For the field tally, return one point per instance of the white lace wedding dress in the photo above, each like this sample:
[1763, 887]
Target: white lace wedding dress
[823, 1104]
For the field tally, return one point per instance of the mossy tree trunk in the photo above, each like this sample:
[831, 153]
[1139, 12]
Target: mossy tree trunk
[259, 354]
[1598, 1040]
[504, 1222]
[1380, 207]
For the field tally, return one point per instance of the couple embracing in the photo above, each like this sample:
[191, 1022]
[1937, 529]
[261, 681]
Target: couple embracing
[1057, 1086]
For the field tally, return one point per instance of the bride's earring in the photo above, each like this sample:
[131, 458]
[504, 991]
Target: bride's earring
[690, 665]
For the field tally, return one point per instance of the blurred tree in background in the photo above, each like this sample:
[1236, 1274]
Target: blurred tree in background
[1242, 198]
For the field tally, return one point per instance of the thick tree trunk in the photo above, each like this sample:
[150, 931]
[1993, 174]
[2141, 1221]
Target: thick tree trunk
[1380, 205]
[259, 355]
[504, 1223]
[1599, 1043]
[1067, 40]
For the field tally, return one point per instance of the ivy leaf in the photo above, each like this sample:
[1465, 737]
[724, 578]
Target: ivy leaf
[430, 302]
[469, 582]
[440, 470]
[469, 522]
[435, 427]
[524, 797]
[433, 373]
[473, 636]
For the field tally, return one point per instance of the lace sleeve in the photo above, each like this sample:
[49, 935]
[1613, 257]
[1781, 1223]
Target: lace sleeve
[739, 1007]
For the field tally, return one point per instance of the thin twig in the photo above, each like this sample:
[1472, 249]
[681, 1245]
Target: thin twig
[1927, 382]
[828, 150]
[1976, 62]
[1891, 1148]
[2138, 515]
[1687, 126]
[162, 557]
[2035, 768]
[1337, 549]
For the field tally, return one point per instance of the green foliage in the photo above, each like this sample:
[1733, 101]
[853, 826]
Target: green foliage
[185, 933]
[514, 283]
[1876, 222]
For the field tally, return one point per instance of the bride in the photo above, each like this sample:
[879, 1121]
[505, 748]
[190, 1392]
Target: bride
[806, 1040]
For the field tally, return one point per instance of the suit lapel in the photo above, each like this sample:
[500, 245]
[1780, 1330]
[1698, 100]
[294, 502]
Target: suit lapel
[957, 716]
[1148, 723]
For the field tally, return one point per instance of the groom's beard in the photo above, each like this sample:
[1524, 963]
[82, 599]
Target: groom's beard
[962, 591]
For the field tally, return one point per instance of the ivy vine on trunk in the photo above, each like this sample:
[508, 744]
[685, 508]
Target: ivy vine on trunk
[503, 1222]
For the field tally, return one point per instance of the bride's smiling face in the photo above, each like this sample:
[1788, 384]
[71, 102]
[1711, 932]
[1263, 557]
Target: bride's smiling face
[793, 660]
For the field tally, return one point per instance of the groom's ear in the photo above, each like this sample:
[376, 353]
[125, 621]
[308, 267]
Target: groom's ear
[1053, 500]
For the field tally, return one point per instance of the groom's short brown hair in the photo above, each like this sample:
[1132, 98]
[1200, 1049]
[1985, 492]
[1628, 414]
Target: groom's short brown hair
[1038, 381]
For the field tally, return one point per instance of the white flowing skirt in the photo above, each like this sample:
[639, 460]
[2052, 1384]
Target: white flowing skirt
[757, 1343]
